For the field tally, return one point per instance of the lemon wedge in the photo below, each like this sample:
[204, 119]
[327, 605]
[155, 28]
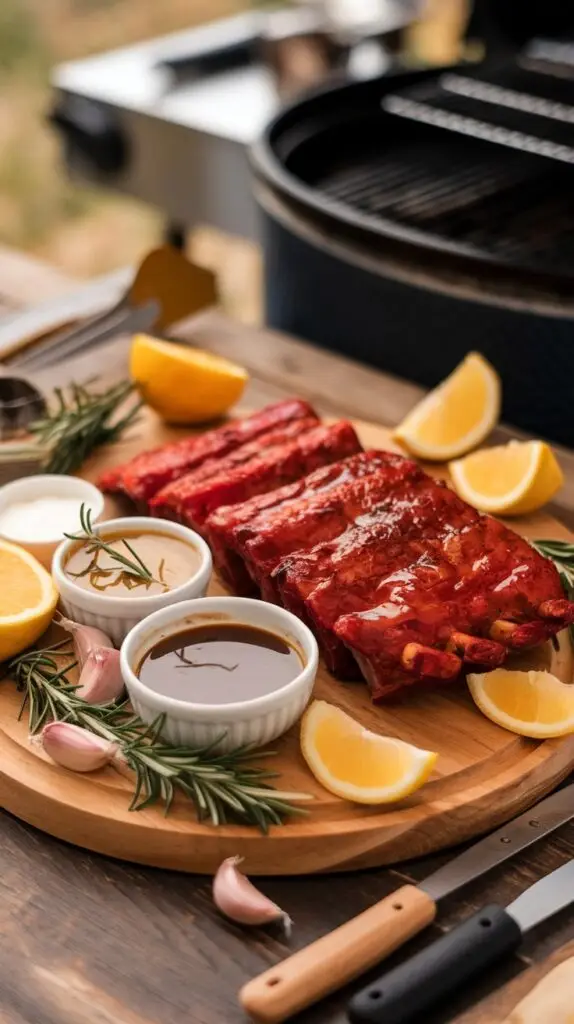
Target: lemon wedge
[457, 415]
[359, 765]
[533, 703]
[183, 384]
[512, 479]
[28, 599]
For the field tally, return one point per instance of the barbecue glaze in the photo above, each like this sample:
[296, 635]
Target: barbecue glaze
[219, 663]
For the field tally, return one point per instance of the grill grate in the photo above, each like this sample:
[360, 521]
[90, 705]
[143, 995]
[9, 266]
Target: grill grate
[509, 106]
[504, 203]
[501, 125]
[479, 158]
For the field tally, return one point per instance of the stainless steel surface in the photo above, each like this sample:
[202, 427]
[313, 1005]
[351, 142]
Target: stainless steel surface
[507, 841]
[416, 110]
[185, 141]
[512, 98]
[187, 144]
[545, 898]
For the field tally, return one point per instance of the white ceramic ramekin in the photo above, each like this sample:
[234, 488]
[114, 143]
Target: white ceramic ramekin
[257, 721]
[117, 615]
[48, 485]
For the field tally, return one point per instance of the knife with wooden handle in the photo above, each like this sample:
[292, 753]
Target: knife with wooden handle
[403, 996]
[344, 954]
[338, 957]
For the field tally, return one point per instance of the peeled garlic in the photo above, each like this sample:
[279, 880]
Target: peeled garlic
[75, 748]
[86, 638]
[238, 899]
[101, 680]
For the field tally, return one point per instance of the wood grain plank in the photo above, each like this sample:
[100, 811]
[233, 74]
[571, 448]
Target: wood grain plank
[148, 945]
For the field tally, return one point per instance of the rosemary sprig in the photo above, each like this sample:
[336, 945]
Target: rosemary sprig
[222, 787]
[561, 552]
[131, 571]
[82, 420]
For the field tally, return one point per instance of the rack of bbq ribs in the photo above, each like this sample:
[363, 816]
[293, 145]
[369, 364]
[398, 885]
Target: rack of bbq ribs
[399, 579]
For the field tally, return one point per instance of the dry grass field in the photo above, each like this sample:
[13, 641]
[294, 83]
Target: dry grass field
[84, 231]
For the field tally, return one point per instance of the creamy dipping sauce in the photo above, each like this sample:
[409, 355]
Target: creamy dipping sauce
[219, 663]
[171, 563]
[41, 519]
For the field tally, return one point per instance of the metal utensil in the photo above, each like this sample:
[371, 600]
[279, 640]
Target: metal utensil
[417, 985]
[166, 288]
[344, 954]
[20, 405]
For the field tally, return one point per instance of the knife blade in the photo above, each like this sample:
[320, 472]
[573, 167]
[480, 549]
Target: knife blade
[335, 959]
[466, 951]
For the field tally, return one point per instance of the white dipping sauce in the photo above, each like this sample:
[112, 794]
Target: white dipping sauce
[41, 519]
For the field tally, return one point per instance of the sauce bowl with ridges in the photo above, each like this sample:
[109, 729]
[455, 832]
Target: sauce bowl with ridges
[255, 721]
[116, 616]
[47, 485]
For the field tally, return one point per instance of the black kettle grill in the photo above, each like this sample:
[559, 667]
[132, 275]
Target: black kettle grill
[410, 219]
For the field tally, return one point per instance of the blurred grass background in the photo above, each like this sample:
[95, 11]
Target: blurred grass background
[87, 232]
[81, 230]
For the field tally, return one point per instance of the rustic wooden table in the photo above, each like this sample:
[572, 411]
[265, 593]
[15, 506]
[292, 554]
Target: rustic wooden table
[86, 940]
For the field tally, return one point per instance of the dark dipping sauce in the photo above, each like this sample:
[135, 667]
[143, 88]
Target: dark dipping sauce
[219, 663]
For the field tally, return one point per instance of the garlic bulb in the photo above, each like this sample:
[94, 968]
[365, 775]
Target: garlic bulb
[101, 680]
[86, 638]
[236, 897]
[75, 748]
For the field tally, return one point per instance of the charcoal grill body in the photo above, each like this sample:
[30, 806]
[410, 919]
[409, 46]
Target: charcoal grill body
[406, 246]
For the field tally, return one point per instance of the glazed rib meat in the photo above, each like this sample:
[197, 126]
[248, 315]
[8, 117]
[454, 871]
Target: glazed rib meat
[143, 476]
[248, 540]
[419, 587]
[323, 518]
[400, 580]
[279, 465]
[342, 575]
[467, 600]
[168, 502]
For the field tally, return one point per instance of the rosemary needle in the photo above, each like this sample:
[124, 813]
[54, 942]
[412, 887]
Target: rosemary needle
[82, 420]
[131, 571]
[222, 787]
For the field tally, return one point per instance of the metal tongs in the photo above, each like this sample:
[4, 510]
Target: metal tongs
[166, 288]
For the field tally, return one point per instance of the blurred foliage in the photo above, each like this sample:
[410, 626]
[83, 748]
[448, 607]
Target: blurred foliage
[21, 47]
[84, 230]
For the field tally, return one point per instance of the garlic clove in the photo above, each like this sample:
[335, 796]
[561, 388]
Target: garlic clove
[86, 638]
[238, 899]
[101, 680]
[75, 748]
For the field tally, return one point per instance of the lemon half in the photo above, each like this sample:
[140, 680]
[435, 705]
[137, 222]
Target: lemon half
[28, 600]
[183, 384]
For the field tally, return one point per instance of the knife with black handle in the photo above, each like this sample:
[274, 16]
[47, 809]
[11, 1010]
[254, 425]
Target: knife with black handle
[361, 943]
[402, 995]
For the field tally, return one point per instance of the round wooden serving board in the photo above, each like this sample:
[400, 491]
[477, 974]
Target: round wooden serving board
[484, 775]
